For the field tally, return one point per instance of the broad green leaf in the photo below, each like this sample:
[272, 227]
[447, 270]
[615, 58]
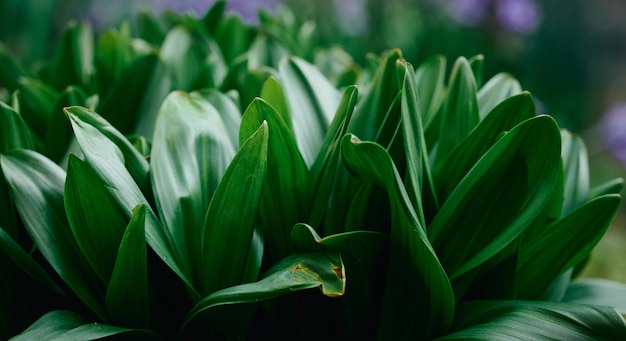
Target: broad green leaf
[598, 292]
[265, 51]
[563, 244]
[460, 113]
[66, 325]
[36, 103]
[419, 180]
[312, 101]
[576, 167]
[150, 28]
[287, 174]
[59, 131]
[527, 320]
[450, 171]
[25, 262]
[127, 296]
[73, 59]
[190, 153]
[323, 170]
[214, 16]
[36, 186]
[496, 90]
[233, 36]
[464, 236]
[107, 160]
[186, 54]
[134, 161]
[418, 299]
[114, 54]
[11, 70]
[231, 216]
[297, 272]
[96, 221]
[273, 93]
[14, 132]
[141, 88]
[430, 78]
[228, 110]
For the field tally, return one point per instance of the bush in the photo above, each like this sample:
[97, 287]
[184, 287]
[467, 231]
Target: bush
[204, 177]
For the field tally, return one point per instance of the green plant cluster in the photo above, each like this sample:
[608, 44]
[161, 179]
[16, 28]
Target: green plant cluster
[197, 179]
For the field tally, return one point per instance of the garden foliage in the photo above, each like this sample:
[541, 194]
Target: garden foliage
[198, 178]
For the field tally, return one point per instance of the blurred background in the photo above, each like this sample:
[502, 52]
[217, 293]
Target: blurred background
[570, 55]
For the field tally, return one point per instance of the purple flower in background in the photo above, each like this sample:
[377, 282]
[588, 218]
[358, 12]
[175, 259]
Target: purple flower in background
[613, 130]
[468, 12]
[519, 16]
[195, 7]
[352, 16]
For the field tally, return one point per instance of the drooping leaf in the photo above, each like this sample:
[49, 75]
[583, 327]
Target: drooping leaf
[297, 272]
[231, 216]
[66, 325]
[190, 153]
[460, 113]
[36, 186]
[416, 282]
[563, 244]
[127, 296]
[481, 216]
[527, 320]
[614, 186]
[597, 292]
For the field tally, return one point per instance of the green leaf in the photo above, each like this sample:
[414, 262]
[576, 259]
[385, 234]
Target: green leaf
[72, 63]
[524, 320]
[66, 325]
[96, 221]
[598, 292]
[36, 103]
[477, 63]
[25, 262]
[460, 113]
[135, 98]
[11, 70]
[190, 153]
[127, 296]
[430, 78]
[228, 110]
[133, 160]
[496, 90]
[231, 216]
[214, 16]
[452, 169]
[464, 236]
[297, 272]
[312, 102]
[14, 133]
[36, 186]
[150, 28]
[563, 244]
[323, 170]
[59, 131]
[286, 171]
[420, 184]
[418, 299]
[614, 186]
[576, 167]
[107, 160]
[273, 93]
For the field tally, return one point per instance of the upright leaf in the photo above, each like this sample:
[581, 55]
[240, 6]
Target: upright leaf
[73, 58]
[576, 167]
[418, 299]
[460, 114]
[496, 90]
[127, 296]
[190, 152]
[287, 174]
